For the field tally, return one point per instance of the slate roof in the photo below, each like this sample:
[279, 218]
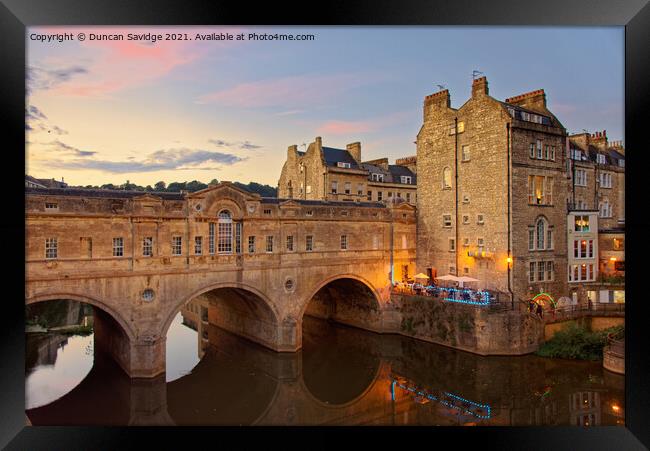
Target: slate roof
[518, 110]
[393, 175]
[106, 193]
[275, 200]
[333, 156]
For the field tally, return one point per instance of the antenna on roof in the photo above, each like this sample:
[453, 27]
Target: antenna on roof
[475, 73]
[441, 87]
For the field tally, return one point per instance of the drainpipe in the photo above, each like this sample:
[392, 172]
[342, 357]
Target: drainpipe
[456, 189]
[392, 271]
[512, 296]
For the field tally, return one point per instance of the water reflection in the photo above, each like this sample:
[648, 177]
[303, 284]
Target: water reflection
[342, 376]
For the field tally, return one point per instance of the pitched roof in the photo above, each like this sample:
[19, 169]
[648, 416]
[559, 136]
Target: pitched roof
[106, 193]
[392, 175]
[276, 200]
[333, 156]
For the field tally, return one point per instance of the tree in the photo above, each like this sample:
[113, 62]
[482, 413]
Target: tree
[214, 182]
[195, 185]
[148, 188]
[160, 186]
[176, 187]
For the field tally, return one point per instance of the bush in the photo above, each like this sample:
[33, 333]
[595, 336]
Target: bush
[576, 342]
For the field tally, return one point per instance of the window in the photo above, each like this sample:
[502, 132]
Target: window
[224, 245]
[308, 190]
[177, 245]
[251, 244]
[540, 271]
[480, 219]
[360, 189]
[51, 248]
[581, 177]
[118, 247]
[309, 213]
[461, 127]
[390, 194]
[531, 239]
[369, 195]
[553, 153]
[51, 206]
[540, 228]
[540, 190]
[531, 148]
[408, 197]
[377, 177]
[466, 270]
[267, 211]
[147, 246]
[605, 209]
[581, 273]
[452, 244]
[269, 243]
[582, 223]
[290, 243]
[211, 238]
[531, 272]
[335, 187]
[406, 179]
[583, 248]
[344, 242]
[309, 243]
[446, 178]
[549, 238]
[379, 195]
[621, 163]
[617, 243]
[601, 159]
[549, 271]
[238, 226]
[481, 243]
[198, 245]
[343, 164]
[539, 149]
[546, 152]
[465, 153]
[446, 220]
[348, 187]
[465, 242]
[465, 219]
[605, 179]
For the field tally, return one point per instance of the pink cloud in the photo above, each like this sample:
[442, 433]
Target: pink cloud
[288, 92]
[117, 65]
[345, 127]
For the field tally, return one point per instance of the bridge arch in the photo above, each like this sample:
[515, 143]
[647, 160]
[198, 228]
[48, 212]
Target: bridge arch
[91, 300]
[267, 323]
[376, 298]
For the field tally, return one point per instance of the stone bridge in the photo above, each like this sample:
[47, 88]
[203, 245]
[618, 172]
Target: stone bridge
[260, 263]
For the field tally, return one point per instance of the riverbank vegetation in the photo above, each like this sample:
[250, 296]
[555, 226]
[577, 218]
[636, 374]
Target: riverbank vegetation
[577, 342]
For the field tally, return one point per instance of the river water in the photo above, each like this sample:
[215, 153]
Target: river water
[342, 376]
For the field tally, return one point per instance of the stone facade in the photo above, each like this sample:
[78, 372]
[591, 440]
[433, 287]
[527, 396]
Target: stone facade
[482, 191]
[327, 173]
[257, 261]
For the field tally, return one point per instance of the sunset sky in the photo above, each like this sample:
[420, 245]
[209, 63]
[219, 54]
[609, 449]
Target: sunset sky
[109, 111]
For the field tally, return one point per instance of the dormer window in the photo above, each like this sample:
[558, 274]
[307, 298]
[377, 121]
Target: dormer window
[601, 158]
[377, 177]
[343, 164]
[406, 179]
[51, 206]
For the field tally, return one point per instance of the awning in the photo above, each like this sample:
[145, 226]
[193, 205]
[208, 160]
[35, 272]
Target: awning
[420, 276]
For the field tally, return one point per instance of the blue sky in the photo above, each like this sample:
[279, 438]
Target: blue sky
[105, 112]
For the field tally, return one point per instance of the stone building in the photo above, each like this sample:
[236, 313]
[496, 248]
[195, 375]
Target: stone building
[491, 199]
[596, 172]
[328, 173]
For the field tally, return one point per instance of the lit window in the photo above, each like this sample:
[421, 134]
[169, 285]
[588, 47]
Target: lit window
[309, 243]
[344, 242]
[290, 243]
[118, 247]
[177, 245]
[147, 246]
[251, 244]
[269, 243]
[540, 190]
[582, 223]
[51, 248]
[198, 245]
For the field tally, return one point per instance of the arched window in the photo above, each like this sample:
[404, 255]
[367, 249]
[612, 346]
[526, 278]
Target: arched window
[446, 178]
[225, 232]
[540, 228]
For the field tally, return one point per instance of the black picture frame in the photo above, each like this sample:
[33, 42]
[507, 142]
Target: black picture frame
[15, 15]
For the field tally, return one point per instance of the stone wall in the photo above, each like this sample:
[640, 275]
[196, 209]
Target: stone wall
[468, 328]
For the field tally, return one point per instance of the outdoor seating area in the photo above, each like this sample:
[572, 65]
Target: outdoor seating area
[419, 286]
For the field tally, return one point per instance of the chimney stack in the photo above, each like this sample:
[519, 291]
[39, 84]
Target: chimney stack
[355, 150]
[440, 99]
[534, 100]
[480, 87]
